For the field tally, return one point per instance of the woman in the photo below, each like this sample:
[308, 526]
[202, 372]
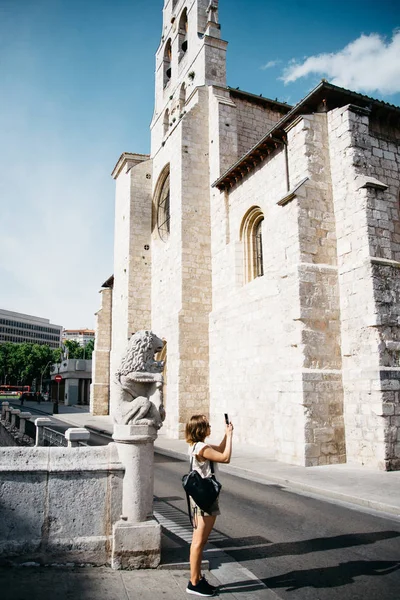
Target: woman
[197, 430]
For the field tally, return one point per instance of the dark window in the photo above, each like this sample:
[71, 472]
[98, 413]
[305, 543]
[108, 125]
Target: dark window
[258, 253]
[163, 210]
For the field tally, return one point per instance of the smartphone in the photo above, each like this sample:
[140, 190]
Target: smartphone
[226, 419]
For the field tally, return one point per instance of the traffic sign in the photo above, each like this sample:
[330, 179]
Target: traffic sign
[58, 378]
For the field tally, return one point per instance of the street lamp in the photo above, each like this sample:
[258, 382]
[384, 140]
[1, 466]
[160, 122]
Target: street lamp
[57, 378]
[41, 376]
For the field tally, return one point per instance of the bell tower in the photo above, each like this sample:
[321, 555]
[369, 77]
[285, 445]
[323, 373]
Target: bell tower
[191, 54]
[190, 64]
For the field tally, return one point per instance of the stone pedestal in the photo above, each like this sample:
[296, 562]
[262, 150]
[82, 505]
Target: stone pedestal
[136, 545]
[137, 536]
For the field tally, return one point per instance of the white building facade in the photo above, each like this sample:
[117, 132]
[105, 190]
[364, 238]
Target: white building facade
[262, 242]
[81, 336]
[18, 327]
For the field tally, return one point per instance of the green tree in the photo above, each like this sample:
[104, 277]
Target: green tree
[89, 349]
[75, 350]
[21, 364]
[6, 372]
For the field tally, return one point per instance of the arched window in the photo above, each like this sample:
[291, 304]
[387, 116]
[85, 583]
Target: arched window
[251, 235]
[167, 62]
[183, 34]
[182, 97]
[163, 206]
[258, 250]
[166, 121]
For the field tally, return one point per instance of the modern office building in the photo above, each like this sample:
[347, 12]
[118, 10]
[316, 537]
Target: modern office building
[18, 327]
[82, 336]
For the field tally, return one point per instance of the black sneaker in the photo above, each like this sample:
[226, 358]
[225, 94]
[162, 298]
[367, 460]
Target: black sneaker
[203, 588]
[213, 587]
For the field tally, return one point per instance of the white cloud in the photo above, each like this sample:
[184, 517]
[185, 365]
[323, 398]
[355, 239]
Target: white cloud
[368, 64]
[270, 64]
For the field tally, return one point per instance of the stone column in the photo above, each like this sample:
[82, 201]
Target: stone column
[22, 421]
[14, 412]
[7, 415]
[137, 536]
[4, 408]
[40, 423]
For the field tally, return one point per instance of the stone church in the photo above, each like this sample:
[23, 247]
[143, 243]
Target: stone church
[262, 243]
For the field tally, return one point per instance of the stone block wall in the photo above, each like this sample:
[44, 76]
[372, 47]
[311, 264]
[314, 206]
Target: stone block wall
[58, 505]
[166, 286]
[100, 387]
[132, 256]
[318, 291]
[196, 264]
[253, 121]
[288, 362]
[181, 279]
[367, 220]
[254, 328]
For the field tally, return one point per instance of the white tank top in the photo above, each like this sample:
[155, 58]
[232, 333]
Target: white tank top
[201, 466]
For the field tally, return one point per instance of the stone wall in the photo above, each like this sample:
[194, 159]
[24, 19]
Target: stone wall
[132, 256]
[287, 362]
[253, 121]
[6, 437]
[365, 173]
[181, 282]
[100, 388]
[254, 329]
[59, 504]
[318, 291]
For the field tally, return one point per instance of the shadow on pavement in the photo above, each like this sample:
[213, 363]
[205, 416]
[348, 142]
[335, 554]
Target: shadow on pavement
[244, 549]
[329, 577]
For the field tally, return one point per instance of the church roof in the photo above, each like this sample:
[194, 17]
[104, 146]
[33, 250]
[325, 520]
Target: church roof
[322, 98]
[109, 283]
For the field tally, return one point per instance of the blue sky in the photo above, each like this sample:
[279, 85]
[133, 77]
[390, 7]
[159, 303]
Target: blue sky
[77, 89]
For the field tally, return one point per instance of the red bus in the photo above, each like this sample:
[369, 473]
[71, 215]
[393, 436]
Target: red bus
[14, 390]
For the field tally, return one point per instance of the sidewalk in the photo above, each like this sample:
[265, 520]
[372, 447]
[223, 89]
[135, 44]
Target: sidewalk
[101, 583]
[376, 490]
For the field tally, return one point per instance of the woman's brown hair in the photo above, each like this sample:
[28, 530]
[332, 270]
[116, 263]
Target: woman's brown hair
[196, 429]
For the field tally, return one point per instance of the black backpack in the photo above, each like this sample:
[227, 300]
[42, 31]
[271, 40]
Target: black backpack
[203, 490]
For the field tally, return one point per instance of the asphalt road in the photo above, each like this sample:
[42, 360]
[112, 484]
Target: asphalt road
[299, 547]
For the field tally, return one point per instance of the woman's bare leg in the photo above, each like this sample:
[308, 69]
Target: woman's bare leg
[199, 540]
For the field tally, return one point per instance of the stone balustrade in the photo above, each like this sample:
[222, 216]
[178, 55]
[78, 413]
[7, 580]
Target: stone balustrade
[23, 418]
[75, 435]
[40, 424]
[14, 412]
[7, 415]
[4, 407]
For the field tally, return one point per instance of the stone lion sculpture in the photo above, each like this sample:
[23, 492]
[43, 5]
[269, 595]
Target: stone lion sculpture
[140, 382]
